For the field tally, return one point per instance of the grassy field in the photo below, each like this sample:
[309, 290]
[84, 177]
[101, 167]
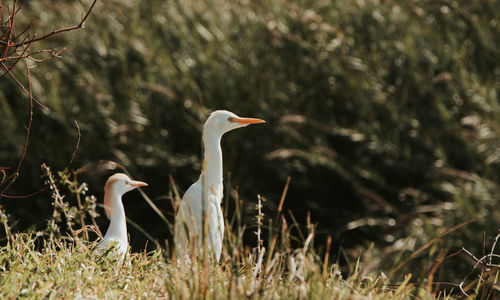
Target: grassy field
[61, 261]
[66, 268]
[73, 271]
[384, 114]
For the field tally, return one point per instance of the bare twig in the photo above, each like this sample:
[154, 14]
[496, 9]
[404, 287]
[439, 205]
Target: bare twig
[26, 28]
[13, 48]
[76, 147]
[24, 196]
[52, 53]
[2, 170]
[28, 131]
[9, 58]
[485, 261]
[494, 246]
[80, 25]
[23, 88]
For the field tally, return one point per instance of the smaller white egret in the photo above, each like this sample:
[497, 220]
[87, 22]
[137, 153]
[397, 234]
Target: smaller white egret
[205, 195]
[116, 186]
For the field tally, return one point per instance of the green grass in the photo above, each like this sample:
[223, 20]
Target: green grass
[53, 264]
[67, 270]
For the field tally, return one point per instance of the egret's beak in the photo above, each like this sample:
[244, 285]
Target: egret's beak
[137, 184]
[245, 121]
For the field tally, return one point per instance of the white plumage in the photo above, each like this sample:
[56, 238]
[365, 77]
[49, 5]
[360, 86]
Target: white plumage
[205, 195]
[117, 185]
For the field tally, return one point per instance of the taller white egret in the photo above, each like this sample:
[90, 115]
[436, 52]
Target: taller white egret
[205, 195]
[117, 185]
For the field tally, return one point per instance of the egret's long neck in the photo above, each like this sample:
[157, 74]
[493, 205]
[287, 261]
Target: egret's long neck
[118, 225]
[212, 163]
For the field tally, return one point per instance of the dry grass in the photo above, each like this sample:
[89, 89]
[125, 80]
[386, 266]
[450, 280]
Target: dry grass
[67, 270]
[50, 264]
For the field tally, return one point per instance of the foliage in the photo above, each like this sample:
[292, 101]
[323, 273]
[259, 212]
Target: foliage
[40, 265]
[17, 46]
[383, 113]
[68, 271]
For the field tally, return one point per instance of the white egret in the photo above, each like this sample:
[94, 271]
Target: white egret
[116, 186]
[205, 195]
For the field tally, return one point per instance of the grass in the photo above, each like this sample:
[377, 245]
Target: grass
[72, 270]
[394, 102]
[56, 265]
[60, 261]
[384, 114]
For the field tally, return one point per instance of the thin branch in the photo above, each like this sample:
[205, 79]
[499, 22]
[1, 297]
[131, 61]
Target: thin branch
[5, 58]
[77, 146]
[28, 131]
[52, 52]
[2, 170]
[24, 196]
[494, 246]
[31, 23]
[13, 48]
[20, 6]
[80, 25]
[30, 118]
[11, 29]
[22, 86]
[485, 261]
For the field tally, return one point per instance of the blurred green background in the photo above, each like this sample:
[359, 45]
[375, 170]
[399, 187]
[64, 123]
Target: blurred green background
[384, 113]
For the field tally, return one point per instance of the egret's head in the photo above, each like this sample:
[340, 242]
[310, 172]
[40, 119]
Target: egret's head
[224, 121]
[118, 183]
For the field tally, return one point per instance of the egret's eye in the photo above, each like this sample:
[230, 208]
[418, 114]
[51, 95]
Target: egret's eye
[127, 182]
[230, 119]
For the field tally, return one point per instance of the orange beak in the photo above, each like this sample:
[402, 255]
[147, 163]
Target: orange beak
[248, 121]
[135, 183]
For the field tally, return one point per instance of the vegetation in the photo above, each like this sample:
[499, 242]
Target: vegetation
[69, 266]
[383, 114]
[69, 271]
